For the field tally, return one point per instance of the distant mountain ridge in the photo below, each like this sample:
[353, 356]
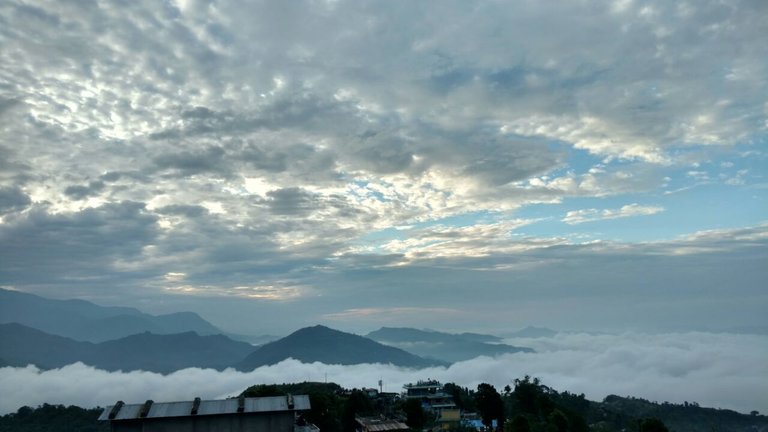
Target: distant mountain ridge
[533, 332]
[21, 345]
[329, 346]
[408, 334]
[446, 347]
[85, 321]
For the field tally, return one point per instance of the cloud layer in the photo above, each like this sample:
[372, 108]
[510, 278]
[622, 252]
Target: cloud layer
[718, 370]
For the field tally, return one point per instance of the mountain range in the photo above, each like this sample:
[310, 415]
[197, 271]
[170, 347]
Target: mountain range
[326, 345]
[443, 346]
[21, 345]
[85, 321]
[53, 333]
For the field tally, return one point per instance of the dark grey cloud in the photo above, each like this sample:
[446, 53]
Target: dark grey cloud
[188, 163]
[187, 210]
[12, 199]
[596, 286]
[72, 250]
[79, 192]
[7, 104]
[291, 201]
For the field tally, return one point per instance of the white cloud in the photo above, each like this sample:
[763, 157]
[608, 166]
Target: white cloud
[590, 215]
[719, 370]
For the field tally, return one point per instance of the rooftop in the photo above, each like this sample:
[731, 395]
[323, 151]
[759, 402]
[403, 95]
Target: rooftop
[376, 424]
[421, 383]
[197, 407]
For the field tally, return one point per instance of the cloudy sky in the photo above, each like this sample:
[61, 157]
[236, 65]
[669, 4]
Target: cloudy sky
[476, 165]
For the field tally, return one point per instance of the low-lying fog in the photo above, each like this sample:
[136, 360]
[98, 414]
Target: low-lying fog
[715, 370]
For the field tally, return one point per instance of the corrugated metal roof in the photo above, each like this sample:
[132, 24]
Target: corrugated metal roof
[209, 407]
[381, 425]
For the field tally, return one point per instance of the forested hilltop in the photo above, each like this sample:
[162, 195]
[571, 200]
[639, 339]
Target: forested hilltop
[526, 405]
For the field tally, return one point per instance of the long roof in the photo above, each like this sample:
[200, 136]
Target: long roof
[209, 407]
[375, 424]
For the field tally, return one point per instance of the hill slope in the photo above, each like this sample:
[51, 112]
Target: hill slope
[86, 321]
[443, 346]
[325, 345]
[21, 345]
[687, 417]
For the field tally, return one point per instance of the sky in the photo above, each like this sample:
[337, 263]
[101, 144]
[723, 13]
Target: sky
[461, 165]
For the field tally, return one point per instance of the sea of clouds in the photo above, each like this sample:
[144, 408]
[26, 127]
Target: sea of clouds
[717, 370]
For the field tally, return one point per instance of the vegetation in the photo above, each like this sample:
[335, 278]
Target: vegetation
[53, 418]
[489, 404]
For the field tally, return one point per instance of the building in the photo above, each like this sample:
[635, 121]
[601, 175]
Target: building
[273, 414]
[431, 394]
[448, 418]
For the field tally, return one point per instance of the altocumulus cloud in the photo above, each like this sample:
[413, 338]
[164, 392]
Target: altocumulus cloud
[720, 370]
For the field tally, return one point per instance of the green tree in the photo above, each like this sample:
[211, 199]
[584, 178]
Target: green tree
[558, 421]
[358, 403]
[526, 394]
[415, 416]
[462, 396]
[518, 424]
[653, 424]
[489, 404]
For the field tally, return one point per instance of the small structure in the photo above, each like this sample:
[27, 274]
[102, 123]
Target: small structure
[378, 424]
[273, 414]
[449, 418]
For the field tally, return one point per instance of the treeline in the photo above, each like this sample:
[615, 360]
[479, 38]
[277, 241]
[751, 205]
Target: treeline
[53, 418]
[529, 406]
[526, 405]
[688, 416]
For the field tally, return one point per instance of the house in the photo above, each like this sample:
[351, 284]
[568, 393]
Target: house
[431, 395]
[273, 414]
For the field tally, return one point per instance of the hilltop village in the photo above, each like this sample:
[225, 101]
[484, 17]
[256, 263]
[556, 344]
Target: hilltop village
[426, 405]
[526, 405]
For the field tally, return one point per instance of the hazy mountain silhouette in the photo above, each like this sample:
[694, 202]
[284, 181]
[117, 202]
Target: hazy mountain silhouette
[21, 345]
[329, 346]
[86, 321]
[443, 346]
